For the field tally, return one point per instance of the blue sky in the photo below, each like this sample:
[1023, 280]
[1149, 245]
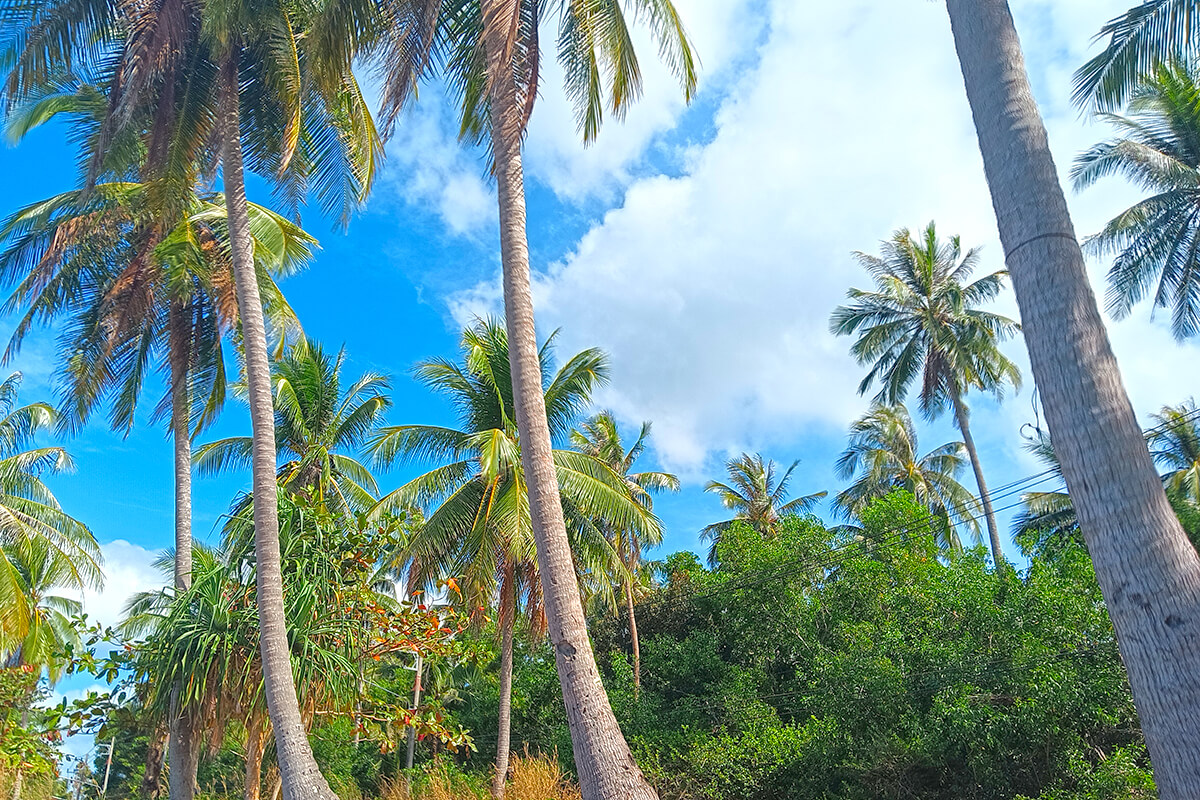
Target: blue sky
[704, 248]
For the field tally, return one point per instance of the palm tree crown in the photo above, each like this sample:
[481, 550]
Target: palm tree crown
[883, 455]
[320, 426]
[38, 538]
[923, 322]
[1175, 445]
[1152, 33]
[480, 519]
[756, 496]
[1158, 149]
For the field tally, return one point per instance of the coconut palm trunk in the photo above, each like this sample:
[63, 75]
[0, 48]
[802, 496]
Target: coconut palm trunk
[508, 622]
[964, 426]
[1147, 569]
[182, 745]
[605, 766]
[633, 637]
[302, 779]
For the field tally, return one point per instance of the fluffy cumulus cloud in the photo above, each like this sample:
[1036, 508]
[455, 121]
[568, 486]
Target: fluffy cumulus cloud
[128, 569]
[427, 166]
[712, 290]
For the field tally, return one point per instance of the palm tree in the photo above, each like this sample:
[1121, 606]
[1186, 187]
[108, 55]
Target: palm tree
[1175, 444]
[1152, 33]
[599, 438]
[1159, 149]
[319, 426]
[33, 526]
[1047, 514]
[924, 319]
[756, 497]
[180, 71]
[481, 526]
[491, 54]
[74, 257]
[882, 456]
[132, 287]
[1147, 569]
[49, 629]
[79, 256]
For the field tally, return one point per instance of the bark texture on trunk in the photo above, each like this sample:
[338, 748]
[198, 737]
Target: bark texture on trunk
[302, 779]
[181, 433]
[184, 743]
[183, 751]
[603, 761]
[964, 426]
[633, 638]
[256, 745]
[151, 788]
[17, 780]
[1148, 570]
[508, 619]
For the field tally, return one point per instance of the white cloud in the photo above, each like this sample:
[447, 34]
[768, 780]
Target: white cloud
[426, 165]
[128, 569]
[712, 291]
[720, 32]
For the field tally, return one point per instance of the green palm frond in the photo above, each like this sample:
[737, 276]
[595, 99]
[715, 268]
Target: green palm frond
[921, 323]
[1157, 240]
[1150, 34]
[883, 455]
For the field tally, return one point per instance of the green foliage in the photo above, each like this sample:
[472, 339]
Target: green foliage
[809, 665]
[26, 737]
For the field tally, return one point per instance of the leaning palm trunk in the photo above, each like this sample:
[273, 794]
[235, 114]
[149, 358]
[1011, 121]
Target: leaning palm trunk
[606, 768]
[508, 621]
[964, 426]
[301, 777]
[183, 744]
[1148, 570]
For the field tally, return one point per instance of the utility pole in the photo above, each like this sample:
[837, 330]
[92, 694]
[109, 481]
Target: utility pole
[412, 730]
[108, 766]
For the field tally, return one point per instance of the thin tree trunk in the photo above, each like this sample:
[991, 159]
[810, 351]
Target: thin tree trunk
[184, 744]
[961, 417]
[1148, 570]
[179, 336]
[302, 779]
[508, 618]
[17, 779]
[152, 779]
[256, 745]
[605, 766]
[633, 636]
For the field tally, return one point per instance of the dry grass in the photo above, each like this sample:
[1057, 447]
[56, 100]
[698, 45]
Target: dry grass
[539, 778]
[529, 778]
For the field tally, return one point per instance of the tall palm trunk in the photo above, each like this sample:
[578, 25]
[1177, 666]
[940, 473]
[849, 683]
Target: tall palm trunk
[605, 766]
[633, 637]
[964, 426]
[1148, 570]
[508, 622]
[183, 744]
[302, 779]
